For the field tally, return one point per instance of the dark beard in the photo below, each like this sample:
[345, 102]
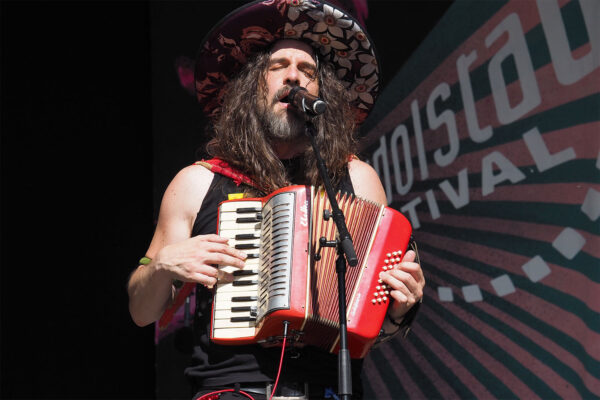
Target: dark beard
[286, 125]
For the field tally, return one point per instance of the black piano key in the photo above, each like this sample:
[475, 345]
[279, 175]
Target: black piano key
[246, 236]
[243, 319]
[241, 309]
[245, 283]
[247, 210]
[244, 298]
[247, 246]
[252, 255]
[247, 220]
[245, 272]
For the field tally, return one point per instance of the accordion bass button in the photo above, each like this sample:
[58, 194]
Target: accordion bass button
[374, 301]
[388, 255]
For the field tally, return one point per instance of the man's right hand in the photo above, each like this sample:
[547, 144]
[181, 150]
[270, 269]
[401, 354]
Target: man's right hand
[195, 259]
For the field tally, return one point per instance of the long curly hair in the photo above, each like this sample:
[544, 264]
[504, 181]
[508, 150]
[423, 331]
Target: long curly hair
[240, 140]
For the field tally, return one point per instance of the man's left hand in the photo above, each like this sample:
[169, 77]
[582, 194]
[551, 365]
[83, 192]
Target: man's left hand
[406, 283]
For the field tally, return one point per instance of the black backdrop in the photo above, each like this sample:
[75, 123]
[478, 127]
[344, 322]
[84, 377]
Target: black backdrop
[81, 173]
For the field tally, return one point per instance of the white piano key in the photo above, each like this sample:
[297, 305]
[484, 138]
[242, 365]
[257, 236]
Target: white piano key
[231, 233]
[232, 216]
[229, 333]
[224, 225]
[228, 287]
[227, 314]
[227, 304]
[234, 205]
[226, 323]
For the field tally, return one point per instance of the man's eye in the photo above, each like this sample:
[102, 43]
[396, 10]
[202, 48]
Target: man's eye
[310, 74]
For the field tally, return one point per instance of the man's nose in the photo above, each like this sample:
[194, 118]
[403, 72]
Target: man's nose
[292, 76]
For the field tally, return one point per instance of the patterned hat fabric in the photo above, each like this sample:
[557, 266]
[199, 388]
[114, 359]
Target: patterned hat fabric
[335, 35]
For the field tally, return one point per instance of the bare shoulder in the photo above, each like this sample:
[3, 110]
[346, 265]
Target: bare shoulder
[186, 191]
[366, 182]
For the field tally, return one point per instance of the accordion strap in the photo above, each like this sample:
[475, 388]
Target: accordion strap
[222, 167]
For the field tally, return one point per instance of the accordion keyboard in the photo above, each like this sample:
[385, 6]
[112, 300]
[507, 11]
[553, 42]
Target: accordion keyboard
[235, 304]
[265, 233]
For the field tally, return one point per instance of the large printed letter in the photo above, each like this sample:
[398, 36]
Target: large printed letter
[401, 132]
[435, 121]
[412, 214]
[516, 46]
[542, 157]
[458, 198]
[416, 117]
[477, 134]
[508, 171]
[568, 70]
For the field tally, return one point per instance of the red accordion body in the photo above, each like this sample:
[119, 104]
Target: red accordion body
[283, 281]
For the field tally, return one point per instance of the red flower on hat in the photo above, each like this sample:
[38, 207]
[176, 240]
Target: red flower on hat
[295, 31]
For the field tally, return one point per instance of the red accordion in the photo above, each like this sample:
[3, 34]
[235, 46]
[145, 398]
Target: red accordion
[283, 281]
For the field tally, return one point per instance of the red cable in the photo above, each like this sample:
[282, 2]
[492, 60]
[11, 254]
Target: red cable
[216, 395]
[280, 364]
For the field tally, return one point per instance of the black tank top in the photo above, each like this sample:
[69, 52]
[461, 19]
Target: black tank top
[218, 365]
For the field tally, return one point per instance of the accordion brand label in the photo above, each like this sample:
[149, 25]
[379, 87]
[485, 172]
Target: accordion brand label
[235, 196]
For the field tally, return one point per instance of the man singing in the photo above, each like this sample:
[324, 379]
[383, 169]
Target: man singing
[245, 69]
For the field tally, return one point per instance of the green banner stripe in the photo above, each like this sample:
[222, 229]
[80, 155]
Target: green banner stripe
[585, 172]
[539, 53]
[562, 215]
[444, 39]
[387, 374]
[479, 371]
[564, 116]
[560, 338]
[417, 374]
[496, 351]
[441, 368]
[567, 115]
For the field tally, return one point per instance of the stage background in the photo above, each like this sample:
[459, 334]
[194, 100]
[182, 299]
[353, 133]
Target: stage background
[488, 140]
[95, 122]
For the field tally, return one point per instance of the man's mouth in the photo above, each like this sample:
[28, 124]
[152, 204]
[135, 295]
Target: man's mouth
[282, 94]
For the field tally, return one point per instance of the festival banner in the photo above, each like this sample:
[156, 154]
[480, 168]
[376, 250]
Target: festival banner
[488, 140]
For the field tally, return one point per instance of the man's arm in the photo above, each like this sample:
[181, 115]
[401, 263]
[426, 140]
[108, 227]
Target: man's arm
[174, 254]
[406, 281]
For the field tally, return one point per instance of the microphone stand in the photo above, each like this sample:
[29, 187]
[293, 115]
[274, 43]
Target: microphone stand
[344, 246]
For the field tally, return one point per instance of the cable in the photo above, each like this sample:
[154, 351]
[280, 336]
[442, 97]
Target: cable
[217, 394]
[285, 329]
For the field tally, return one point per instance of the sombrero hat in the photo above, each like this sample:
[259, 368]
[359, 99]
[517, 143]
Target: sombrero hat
[335, 35]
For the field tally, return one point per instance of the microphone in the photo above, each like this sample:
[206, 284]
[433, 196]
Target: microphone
[304, 101]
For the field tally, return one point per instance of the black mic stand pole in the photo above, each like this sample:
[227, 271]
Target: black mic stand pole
[345, 247]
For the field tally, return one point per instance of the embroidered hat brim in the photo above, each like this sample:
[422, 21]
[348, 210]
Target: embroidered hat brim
[335, 35]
